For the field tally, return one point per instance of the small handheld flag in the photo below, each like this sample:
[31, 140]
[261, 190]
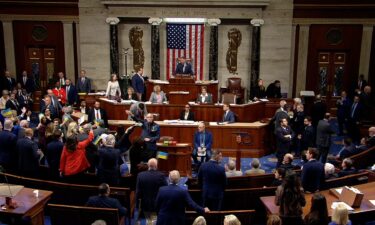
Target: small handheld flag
[162, 155]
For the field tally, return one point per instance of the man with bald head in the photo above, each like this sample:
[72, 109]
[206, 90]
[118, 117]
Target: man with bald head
[172, 200]
[202, 144]
[28, 154]
[148, 184]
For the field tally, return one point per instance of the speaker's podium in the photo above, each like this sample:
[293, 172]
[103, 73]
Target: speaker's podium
[182, 79]
[178, 157]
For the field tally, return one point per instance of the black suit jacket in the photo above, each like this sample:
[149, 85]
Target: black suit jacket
[53, 154]
[213, 179]
[13, 105]
[308, 138]
[323, 134]
[29, 85]
[91, 116]
[28, 157]
[312, 175]
[6, 85]
[283, 143]
[148, 184]
[8, 153]
[318, 110]
[72, 95]
[191, 115]
[106, 202]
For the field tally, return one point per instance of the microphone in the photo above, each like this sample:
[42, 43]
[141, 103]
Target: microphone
[9, 203]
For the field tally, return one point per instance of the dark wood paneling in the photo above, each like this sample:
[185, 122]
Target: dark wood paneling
[22, 31]
[351, 45]
[41, 7]
[371, 75]
[2, 50]
[295, 66]
[334, 9]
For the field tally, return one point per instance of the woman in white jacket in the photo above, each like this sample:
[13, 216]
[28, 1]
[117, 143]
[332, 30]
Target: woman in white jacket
[113, 88]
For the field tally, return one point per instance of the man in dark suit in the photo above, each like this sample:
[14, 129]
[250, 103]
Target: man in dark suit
[274, 90]
[46, 103]
[83, 83]
[8, 82]
[202, 144]
[280, 113]
[343, 109]
[61, 79]
[354, 119]
[323, 137]
[184, 67]
[25, 100]
[318, 110]
[97, 113]
[308, 135]
[347, 168]
[13, 104]
[312, 175]
[171, 202]
[148, 184]
[187, 114]
[103, 201]
[138, 83]
[71, 92]
[150, 132]
[284, 136]
[27, 82]
[371, 137]
[109, 161]
[212, 178]
[28, 154]
[8, 140]
[53, 153]
[228, 116]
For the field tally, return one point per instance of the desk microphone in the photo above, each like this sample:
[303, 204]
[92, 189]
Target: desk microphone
[9, 203]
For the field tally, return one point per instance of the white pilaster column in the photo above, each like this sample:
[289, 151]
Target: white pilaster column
[303, 47]
[78, 43]
[9, 47]
[364, 60]
[69, 49]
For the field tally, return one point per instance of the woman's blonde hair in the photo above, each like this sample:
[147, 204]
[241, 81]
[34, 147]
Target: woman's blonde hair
[200, 220]
[231, 220]
[340, 214]
[274, 220]
[72, 129]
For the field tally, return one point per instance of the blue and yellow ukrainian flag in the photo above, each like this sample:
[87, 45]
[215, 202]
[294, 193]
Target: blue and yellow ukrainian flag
[7, 113]
[162, 155]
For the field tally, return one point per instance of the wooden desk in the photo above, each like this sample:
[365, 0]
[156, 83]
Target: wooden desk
[223, 135]
[179, 158]
[89, 98]
[193, 89]
[28, 205]
[365, 211]
[203, 112]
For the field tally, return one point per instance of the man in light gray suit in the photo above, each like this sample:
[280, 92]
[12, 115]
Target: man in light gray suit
[83, 83]
[323, 137]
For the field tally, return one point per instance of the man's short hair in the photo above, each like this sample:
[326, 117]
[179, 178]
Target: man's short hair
[308, 118]
[348, 162]
[29, 132]
[289, 157]
[152, 164]
[141, 106]
[327, 116]
[255, 163]
[215, 154]
[174, 176]
[8, 124]
[24, 123]
[103, 189]
[314, 152]
[110, 140]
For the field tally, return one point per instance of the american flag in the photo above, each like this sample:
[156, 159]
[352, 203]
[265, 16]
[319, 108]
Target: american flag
[185, 40]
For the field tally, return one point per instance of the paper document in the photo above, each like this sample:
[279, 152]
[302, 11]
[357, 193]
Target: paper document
[334, 205]
[372, 202]
[339, 190]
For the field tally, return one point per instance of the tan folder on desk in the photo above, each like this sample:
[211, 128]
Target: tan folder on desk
[351, 197]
